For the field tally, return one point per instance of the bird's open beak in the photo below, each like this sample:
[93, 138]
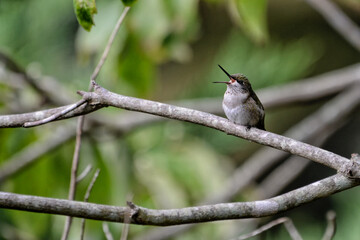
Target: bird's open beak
[231, 78]
[222, 82]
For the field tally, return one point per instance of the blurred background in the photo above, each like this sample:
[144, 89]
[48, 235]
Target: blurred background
[168, 51]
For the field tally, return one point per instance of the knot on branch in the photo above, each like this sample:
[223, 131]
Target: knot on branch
[133, 211]
[98, 89]
[352, 168]
[90, 97]
[95, 97]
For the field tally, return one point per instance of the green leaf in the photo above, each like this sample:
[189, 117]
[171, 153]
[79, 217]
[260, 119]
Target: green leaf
[128, 2]
[251, 16]
[84, 11]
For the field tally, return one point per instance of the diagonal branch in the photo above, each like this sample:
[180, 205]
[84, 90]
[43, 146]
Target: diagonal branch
[168, 217]
[289, 225]
[49, 90]
[338, 20]
[34, 151]
[55, 116]
[109, 44]
[86, 199]
[105, 97]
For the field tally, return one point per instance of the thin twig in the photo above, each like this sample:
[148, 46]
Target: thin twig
[126, 225]
[288, 225]
[338, 20]
[86, 199]
[84, 173]
[107, 232]
[127, 219]
[91, 185]
[55, 116]
[75, 164]
[109, 44]
[331, 227]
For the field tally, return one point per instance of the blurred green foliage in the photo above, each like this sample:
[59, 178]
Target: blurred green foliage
[165, 165]
[251, 15]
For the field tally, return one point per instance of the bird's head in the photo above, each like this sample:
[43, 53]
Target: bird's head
[237, 82]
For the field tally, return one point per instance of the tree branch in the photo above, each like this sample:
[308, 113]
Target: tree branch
[299, 91]
[18, 120]
[206, 213]
[109, 44]
[86, 199]
[105, 97]
[55, 116]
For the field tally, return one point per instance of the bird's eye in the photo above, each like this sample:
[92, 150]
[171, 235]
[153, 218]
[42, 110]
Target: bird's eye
[241, 82]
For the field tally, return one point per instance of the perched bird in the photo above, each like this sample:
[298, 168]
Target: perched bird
[240, 104]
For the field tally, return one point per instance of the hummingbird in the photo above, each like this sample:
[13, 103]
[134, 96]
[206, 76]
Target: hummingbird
[240, 104]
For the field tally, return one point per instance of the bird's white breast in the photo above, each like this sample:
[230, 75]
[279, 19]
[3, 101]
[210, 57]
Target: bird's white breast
[240, 109]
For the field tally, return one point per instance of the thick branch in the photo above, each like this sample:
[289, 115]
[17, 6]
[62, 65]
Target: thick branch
[216, 212]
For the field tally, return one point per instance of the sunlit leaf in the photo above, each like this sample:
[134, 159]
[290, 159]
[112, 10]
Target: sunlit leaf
[251, 16]
[84, 11]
